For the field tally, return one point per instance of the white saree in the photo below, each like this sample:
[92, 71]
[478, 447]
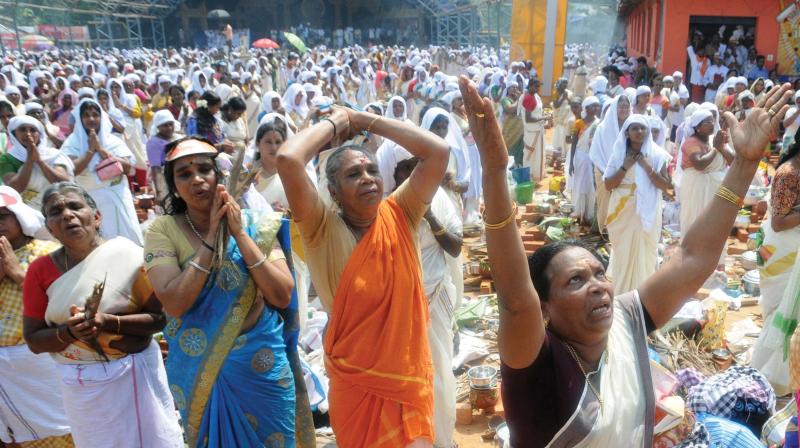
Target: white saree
[32, 407]
[92, 389]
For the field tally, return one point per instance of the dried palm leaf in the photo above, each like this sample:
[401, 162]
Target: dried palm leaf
[90, 310]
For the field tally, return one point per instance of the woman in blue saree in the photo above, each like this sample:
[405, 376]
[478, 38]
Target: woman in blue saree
[230, 327]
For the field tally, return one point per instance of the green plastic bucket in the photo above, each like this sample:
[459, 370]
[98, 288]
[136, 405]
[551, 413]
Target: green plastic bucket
[524, 193]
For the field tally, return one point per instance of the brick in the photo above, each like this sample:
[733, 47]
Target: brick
[463, 414]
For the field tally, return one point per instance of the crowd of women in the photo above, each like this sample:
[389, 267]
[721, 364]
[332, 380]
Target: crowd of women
[362, 170]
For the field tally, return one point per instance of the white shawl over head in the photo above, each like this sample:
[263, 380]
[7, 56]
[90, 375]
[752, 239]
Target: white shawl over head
[78, 142]
[605, 136]
[390, 110]
[646, 191]
[289, 100]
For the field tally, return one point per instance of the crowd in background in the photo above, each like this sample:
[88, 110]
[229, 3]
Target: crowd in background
[248, 145]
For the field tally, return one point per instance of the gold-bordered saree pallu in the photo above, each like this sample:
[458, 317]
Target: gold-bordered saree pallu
[627, 413]
[376, 345]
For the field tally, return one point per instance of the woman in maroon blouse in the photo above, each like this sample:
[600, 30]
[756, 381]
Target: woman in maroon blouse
[574, 357]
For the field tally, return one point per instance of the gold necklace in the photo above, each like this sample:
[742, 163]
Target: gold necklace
[585, 375]
[191, 226]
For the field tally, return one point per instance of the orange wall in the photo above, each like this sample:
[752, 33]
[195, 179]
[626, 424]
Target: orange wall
[643, 27]
[676, 26]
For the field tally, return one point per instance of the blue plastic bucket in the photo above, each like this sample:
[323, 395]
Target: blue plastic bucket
[521, 175]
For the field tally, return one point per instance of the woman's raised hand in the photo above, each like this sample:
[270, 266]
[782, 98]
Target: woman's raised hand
[484, 127]
[344, 119]
[751, 137]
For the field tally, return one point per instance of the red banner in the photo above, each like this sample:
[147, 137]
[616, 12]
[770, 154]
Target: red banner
[64, 33]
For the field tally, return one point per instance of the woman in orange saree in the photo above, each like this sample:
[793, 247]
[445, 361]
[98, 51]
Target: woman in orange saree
[365, 267]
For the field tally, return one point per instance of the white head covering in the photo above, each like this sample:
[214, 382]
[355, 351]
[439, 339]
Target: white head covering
[196, 87]
[647, 193]
[450, 96]
[642, 90]
[161, 117]
[272, 117]
[78, 142]
[605, 135]
[695, 119]
[378, 105]
[308, 87]
[598, 85]
[127, 99]
[390, 109]
[746, 94]
[694, 115]
[458, 146]
[87, 91]
[715, 111]
[658, 123]
[289, 100]
[30, 221]
[224, 92]
[589, 101]
[668, 79]
[33, 105]
[17, 150]
[266, 101]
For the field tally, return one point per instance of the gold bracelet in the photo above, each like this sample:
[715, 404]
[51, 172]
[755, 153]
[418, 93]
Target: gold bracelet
[119, 324]
[440, 232]
[727, 195]
[369, 128]
[58, 336]
[502, 223]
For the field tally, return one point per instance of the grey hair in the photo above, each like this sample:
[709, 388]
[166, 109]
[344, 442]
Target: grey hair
[334, 162]
[67, 187]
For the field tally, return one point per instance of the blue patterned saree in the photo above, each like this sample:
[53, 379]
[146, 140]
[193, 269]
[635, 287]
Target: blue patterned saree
[232, 389]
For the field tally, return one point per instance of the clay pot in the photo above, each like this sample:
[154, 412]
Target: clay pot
[760, 208]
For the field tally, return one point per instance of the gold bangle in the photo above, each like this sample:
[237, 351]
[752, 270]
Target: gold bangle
[502, 223]
[440, 232]
[119, 324]
[730, 196]
[369, 128]
[726, 194]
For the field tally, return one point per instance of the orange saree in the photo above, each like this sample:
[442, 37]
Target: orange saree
[376, 345]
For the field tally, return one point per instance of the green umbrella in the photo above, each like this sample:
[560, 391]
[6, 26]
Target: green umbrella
[296, 41]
